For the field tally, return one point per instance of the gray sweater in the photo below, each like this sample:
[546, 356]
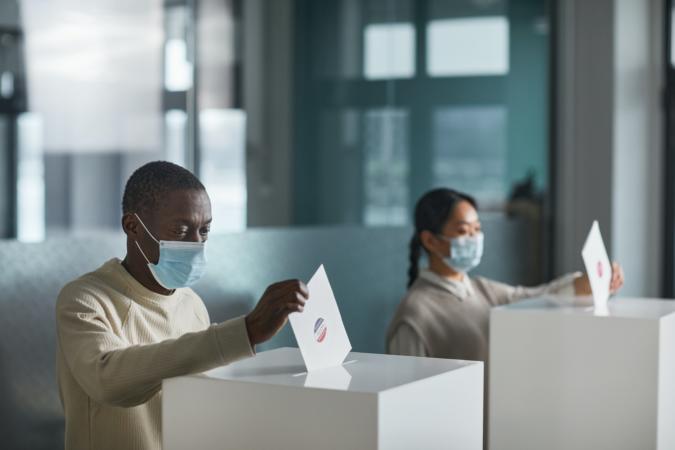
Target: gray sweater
[440, 318]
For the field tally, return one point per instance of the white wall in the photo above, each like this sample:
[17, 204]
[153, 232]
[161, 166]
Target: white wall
[610, 155]
[637, 200]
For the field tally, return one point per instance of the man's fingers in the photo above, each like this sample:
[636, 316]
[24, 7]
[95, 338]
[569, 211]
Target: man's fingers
[288, 297]
[279, 284]
[304, 291]
[295, 307]
[280, 304]
[300, 299]
[282, 288]
[297, 303]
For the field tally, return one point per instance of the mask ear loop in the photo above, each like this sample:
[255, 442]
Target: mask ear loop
[449, 241]
[149, 234]
[146, 228]
[142, 253]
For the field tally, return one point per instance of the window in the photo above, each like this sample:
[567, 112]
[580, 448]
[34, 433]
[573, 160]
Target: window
[110, 87]
[175, 136]
[6, 84]
[177, 68]
[386, 167]
[469, 151]
[389, 51]
[453, 112]
[468, 47]
[223, 166]
[672, 36]
[30, 179]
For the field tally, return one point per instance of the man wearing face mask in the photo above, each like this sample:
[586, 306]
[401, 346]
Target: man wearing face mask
[445, 312]
[131, 323]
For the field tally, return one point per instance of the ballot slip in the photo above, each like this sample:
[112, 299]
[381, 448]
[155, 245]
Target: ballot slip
[319, 330]
[598, 267]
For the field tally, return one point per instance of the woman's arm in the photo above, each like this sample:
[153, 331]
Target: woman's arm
[503, 294]
[574, 284]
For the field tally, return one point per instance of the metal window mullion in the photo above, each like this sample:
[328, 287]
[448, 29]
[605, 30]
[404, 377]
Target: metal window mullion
[193, 157]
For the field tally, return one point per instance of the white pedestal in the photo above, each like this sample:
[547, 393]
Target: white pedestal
[565, 377]
[372, 402]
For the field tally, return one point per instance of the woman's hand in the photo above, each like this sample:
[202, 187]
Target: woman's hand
[617, 278]
[582, 285]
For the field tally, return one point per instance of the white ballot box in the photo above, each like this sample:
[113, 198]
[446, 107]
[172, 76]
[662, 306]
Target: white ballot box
[371, 402]
[564, 376]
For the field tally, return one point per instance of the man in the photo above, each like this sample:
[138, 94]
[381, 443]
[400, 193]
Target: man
[131, 323]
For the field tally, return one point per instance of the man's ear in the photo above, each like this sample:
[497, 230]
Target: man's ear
[429, 241]
[130, 225]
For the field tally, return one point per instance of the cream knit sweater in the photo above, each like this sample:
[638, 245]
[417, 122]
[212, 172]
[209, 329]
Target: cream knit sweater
[117, 341]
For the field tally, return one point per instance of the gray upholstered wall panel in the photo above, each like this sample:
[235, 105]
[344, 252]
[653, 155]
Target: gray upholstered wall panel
[366, 266]
[30, 279]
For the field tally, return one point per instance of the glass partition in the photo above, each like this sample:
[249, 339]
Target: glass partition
[292, 112]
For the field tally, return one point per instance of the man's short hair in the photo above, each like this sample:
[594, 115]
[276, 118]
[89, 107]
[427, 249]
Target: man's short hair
[151, 183]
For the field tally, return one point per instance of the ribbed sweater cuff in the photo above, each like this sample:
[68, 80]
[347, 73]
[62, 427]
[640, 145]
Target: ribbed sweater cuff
[233, 341]
[564, 286]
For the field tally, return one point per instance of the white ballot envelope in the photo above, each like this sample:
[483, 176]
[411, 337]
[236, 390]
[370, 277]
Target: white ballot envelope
[598, 267]
[319, 330]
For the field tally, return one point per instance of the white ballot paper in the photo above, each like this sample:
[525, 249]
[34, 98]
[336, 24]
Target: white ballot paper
[330, 378]
[319, 330]
[598, 267]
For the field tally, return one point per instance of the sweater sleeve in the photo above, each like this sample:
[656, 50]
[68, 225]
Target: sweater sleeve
[406, 341]
[114, 373]
[502, 294]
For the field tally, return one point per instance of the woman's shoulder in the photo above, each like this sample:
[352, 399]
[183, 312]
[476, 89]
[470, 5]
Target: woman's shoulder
[418, 299]
[422, 287]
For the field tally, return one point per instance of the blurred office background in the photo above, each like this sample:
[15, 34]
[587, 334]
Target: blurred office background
[315, 126]
[292, 112]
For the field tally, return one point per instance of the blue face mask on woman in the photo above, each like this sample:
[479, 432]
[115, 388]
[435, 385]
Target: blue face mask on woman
[180, 264]
[465, 252]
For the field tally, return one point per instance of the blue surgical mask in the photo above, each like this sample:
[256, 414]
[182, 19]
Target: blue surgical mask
[465, 252]
[180, 264]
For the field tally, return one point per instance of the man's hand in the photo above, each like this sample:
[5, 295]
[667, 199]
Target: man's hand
[273, 308]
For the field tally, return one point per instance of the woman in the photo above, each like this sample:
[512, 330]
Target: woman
[445, 312]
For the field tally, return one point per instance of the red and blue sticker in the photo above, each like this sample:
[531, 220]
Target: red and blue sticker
[320, 330]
